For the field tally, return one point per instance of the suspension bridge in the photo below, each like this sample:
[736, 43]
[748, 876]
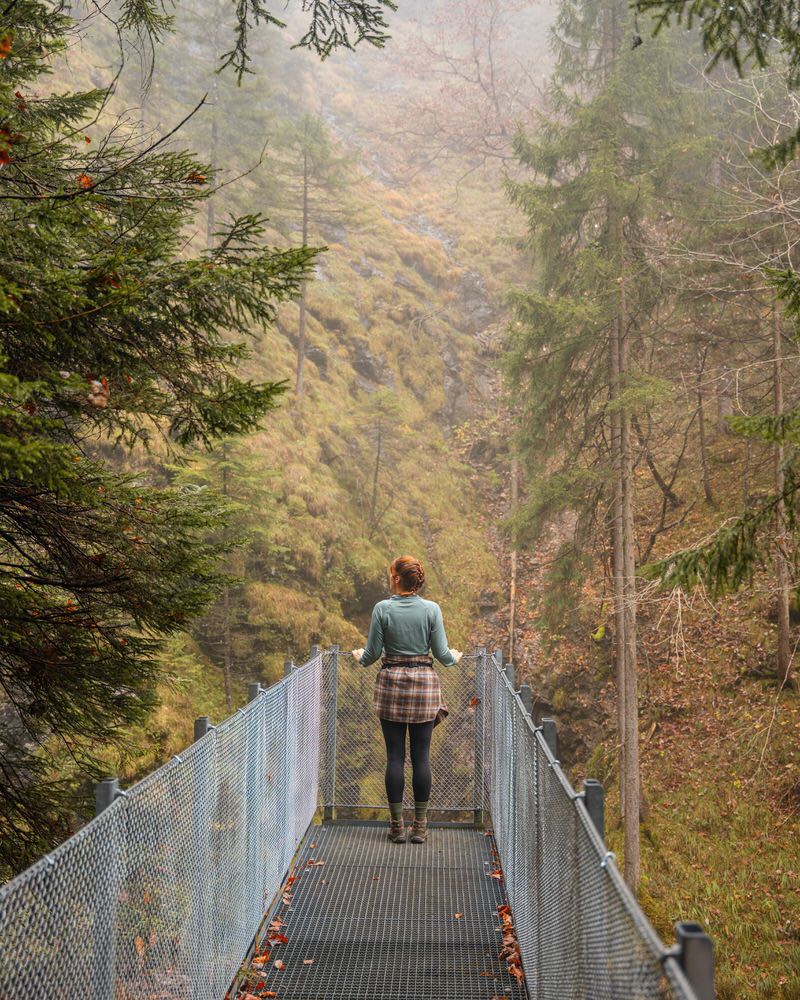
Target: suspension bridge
[255, 864]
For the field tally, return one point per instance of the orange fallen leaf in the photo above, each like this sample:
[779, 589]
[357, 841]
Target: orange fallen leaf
[279, 964]
[277, 938]
[139, 945]
[458, 916]
[314, 864]
[497, 873]
[313, 846]
[308, 961]
[516, 972]
[474, 701]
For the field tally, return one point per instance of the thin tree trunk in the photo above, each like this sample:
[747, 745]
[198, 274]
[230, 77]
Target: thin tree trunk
[301, 333]
[512, 595]
[373, 506]
[617, 557]
[784, 657]
[631, 778]
[214, 144]
[702, 430]
[227, 643]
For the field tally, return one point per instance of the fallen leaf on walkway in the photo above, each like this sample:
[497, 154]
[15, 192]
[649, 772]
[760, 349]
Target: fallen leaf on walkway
[276, 924]
[269, 993]
[313, 846]
[473, 702]
[277, 938]
[497, 873]
[517, 972]
[139, 945]
[247, 996]
[308, 961]
[314, 864]
[458, 916]
[260, 960]
[279, 964]
[488, 975]
[376, 878]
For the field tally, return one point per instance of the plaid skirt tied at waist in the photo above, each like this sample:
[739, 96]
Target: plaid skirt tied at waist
[407, 689]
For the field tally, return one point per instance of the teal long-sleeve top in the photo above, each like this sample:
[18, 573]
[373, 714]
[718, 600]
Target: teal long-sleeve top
[407, 625]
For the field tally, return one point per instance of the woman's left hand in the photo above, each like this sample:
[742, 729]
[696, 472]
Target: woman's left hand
[357, 654]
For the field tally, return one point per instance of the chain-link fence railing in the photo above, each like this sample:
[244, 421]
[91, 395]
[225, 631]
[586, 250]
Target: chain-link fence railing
[161, 894]
[356, 756]
[581, 933]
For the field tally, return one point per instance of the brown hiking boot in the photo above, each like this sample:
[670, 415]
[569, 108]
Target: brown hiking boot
[419, 831]
[397, 833]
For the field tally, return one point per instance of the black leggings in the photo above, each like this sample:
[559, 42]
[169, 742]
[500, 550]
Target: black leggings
[419, 734]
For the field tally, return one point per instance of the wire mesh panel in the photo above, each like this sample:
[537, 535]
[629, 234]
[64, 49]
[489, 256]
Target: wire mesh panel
[358, 751]
[162, 893]
[581, 933]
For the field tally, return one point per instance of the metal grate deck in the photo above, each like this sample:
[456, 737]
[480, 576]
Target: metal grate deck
[378, 920]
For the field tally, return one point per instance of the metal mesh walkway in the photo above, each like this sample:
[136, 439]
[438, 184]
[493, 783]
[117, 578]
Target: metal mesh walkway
[379, 920]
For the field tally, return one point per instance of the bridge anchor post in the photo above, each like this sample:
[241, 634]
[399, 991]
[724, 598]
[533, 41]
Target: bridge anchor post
[593, 799]
[550, 734]
[694, 951]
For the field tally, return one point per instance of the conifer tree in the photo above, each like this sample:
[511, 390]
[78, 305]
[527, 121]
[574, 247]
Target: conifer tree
[575, 352]
[108, 334]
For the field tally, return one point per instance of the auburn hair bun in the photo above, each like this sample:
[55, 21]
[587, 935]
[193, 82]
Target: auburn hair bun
[410, 572]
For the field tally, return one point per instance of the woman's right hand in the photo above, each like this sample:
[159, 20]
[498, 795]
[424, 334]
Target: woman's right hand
[357, 654]
[456, 654]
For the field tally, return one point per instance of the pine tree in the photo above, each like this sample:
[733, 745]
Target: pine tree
[109, 335]
[575, 350]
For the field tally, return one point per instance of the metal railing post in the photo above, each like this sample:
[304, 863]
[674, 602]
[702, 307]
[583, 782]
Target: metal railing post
[550, 735]
[593, 799]
[104, 936]
[511, 675]
[330, 735]
[315, 649]
[201, 854]
[695, 952]
[288, 667]
[105, 792]
[526, 696]
[251, 792]
[480, 693]
[202, 725]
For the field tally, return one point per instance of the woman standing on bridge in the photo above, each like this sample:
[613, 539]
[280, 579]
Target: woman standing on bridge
[405, 627]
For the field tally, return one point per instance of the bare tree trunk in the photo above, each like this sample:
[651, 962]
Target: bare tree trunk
[701, 361]
[373, 506]
[784, 658]
[631, 778]
[301, 333]
[214, 144]
[512, 595]
[227, 642]
[617, 557]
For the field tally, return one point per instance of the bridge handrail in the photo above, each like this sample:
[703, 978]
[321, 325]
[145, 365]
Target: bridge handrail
[163, 891]
[580, 929]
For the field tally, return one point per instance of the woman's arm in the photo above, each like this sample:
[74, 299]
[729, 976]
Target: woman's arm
[439, 646]
[374, 646]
